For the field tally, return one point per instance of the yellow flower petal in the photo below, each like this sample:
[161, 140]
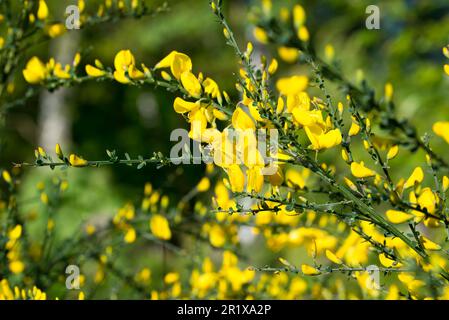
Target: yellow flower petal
[182, 106]
[77, 161]
[15, 232]
[332, 257]
[398, 216]
[16, 266]
[55, 30]
[289, 55]
[445, 183]
[428, 244]
[203, 185]
[417, 176]
[309, 270]
[123, 60]
[236, 178]
[393, 152]
[354, 130]
[34, 71]
[241, 120]
[191, 84]
[387, 262]
[292, 85]
[359, 170]
[441, 128]
[42, 11]
[177, 62]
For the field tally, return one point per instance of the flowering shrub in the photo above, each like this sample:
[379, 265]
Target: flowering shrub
[329, 190]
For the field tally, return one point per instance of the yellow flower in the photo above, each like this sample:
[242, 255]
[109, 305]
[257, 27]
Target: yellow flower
[6, 176]
[428, 244]
[220, 115]
[44, 198]
[355, 128]
[446, 51]
[332, 257]
[130, 235]
[203, 185]
[90, 229]
[42, 11]
[123, 60]
[299, 16]
[344, 155]
[61, 73]
[58, 151]
[226, 33]
[388, 91]
[260, 35]
[427, 200]
[398, 216]
[94, 71]
[309, 270]
[16, 266]
[76, 59]
[177, 62]
[292, 85]
[308, 118]
[303, 34]
[55, 30]
[445, 183]
[191, 84]
[124, 64]
[211, 88]
[34, 71]
[329, 52]
[236, 178]
[166, 76]
[41, 152]
[416, 177]
[144, 275]
[15, 232]
[296, 178]
[171, 277]
[300, 100]
[359, 170]
[273, 66]
[77, 161]
[198, 123]
[159, 227]
[387, 262]
[255, 180]
[289, 55]
[241, 120]
[441, 128]
[446, 69]
[50, 223]
[393, 152]
[217, 236]
[321, 140]
[393, 293]
[182, 106]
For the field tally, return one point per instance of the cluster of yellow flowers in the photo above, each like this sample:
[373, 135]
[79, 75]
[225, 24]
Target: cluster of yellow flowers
[158, 223]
